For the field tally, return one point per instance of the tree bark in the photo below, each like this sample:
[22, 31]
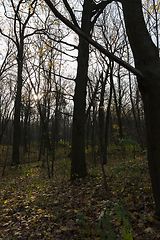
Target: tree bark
[78, 163]
[16, 131]
[147, 61]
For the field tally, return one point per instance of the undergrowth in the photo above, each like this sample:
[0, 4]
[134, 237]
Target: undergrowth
[32, 206]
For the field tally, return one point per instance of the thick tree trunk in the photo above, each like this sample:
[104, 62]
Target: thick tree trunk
[78, 163]
[151, 99]
[147, 61]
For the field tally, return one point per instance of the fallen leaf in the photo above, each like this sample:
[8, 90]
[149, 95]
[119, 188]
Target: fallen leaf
[149, 230]
[64, 228]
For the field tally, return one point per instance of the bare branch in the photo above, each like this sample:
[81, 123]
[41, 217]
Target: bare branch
[92, 42]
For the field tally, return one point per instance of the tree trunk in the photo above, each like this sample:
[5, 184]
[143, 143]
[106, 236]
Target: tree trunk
[151, 99]
[108, 113]
[17, 131]
[101, 113]
[78, 163]
[136, 118]
[147, 61]
[57, 117]
[118, 105]
[25, 128]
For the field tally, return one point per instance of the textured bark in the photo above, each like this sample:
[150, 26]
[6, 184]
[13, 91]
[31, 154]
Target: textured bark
[147, 61]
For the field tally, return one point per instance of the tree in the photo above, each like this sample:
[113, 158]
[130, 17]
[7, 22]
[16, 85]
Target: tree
[146, 56]
[90, 13]
[20, 22]
[147, 62]
[78, 165]
[6, 97]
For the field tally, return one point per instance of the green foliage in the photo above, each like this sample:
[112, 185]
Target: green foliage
[26, 171]
[104, 226]
[82, 220]
[128, 142]
[133, 145]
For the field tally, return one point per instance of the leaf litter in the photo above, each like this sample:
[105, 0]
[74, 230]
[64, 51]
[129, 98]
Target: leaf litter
[35, 207]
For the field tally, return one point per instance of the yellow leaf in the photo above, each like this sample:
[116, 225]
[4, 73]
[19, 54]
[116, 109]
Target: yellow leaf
[5, 201]
[63, 228]
[68, 210]
[75, 210]
[122, 189]
[150, 218]
[39, 210]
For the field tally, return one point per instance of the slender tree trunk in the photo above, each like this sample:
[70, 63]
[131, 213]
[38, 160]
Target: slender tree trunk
[118, 111]
[93, 136]
[57, 117]
[101, 114]
[53, 145]
[137, 123]
[108, 113]
[25, 129]
[17, 131]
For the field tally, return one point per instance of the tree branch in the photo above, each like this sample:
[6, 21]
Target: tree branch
[92, 42]
[71, 13]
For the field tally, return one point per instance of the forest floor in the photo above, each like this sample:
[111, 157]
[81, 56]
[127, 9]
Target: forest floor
[34, 206]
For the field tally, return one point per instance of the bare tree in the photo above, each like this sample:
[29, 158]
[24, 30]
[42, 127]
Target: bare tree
[6, 88]
[146, 56]
[20, 21]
